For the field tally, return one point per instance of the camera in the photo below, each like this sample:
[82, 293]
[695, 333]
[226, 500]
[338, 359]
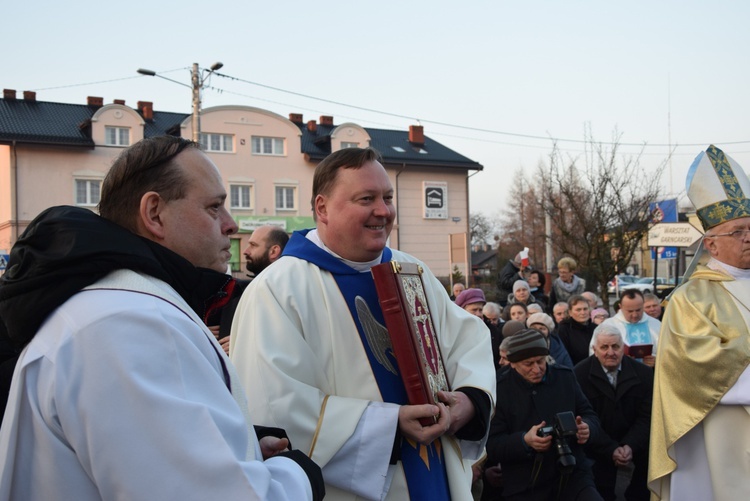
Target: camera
[565, 426]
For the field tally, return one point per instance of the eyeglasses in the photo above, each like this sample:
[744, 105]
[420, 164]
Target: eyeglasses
[738, 234]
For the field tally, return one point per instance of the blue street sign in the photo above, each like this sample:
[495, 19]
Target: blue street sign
[664, 212]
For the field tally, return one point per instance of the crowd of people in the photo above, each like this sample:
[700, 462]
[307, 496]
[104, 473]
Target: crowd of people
[132, 362]
[569, 358]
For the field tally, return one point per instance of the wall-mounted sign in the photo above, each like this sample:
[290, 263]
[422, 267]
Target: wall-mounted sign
[435, 199]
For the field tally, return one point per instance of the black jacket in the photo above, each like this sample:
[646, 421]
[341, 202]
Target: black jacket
[65, 249]
[505, 280]
[576, 338]
[521, 405]
[624, 411]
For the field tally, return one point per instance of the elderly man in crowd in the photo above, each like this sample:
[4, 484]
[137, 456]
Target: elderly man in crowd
[311, 328]
[458, 288]
[635, 327]
[122, 392]
[560, 312]
[530, 397]
[652, 306]
[700, 430]
[620, 391]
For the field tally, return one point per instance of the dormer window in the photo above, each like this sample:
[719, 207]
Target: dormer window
[117, 136]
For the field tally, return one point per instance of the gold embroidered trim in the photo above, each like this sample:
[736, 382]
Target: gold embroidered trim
[320, 423]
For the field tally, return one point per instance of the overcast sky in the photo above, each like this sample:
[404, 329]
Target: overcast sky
[480, 76]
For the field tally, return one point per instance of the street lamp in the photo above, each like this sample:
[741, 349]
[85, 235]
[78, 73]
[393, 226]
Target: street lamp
[198, 78]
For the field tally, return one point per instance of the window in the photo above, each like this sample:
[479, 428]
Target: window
[345, 145]
[217, 142]
[268, 145]
[87, 191]
[234, 261]
[285, 197]
[117, 136]
[399, 149]
[239, 196]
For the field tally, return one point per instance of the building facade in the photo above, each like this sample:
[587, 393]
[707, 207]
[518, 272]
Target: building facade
[58, 154]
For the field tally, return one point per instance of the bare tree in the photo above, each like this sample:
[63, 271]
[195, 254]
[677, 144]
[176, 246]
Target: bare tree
[599, 206]
[522, 224]
[483, 229]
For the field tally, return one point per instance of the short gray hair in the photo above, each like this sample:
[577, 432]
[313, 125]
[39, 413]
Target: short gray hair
[492, 308]
[606, 329]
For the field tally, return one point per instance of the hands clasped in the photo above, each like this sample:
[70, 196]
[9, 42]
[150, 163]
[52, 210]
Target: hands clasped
[453, 411]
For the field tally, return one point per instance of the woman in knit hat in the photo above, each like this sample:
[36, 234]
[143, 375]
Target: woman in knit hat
[544, 324]
[472, 300]
[521, 293]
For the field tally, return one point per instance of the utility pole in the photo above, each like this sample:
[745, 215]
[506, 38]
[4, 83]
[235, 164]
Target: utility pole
[196, 86]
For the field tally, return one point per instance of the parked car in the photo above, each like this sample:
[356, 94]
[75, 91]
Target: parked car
[623, 280]
[646, 284]
[665, 290]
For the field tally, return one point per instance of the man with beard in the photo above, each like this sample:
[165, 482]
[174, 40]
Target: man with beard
[264, 247]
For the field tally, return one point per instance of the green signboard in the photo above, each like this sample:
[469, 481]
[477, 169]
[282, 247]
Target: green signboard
[289, 223]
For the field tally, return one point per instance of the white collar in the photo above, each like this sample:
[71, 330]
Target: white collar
[314, 237]
[736, 273]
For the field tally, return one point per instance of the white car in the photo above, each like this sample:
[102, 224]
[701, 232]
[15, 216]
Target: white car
[622, 280]
[645, 284]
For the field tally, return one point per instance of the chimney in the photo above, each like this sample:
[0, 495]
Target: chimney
[146, 109]
[96, 102]
[296, 118]
[9, 93]
[312, 126]
[326, 120]
[119, 101]
[416, 134]
[29, 95]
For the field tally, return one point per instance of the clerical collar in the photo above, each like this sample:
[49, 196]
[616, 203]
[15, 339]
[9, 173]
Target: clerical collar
[313, 236]
[736, 273]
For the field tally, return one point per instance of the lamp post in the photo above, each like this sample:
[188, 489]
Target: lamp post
[197, 80]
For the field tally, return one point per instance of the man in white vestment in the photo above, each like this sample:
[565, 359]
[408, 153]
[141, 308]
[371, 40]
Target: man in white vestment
[700, 428]
[310, 334]
[634, 325]
[121, 391]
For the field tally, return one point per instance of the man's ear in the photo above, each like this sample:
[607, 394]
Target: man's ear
[321, 209]
[710, 245]
[274, 252]
[150, 221]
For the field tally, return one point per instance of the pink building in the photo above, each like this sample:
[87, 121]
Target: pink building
[58, 154]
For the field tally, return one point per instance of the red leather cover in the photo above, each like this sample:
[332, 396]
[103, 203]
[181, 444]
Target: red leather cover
[412, 332]
[639, 350]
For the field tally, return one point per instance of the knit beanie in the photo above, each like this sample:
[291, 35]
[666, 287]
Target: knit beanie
[470, 296]
[541, 318]
[518, 284]
[526, 344]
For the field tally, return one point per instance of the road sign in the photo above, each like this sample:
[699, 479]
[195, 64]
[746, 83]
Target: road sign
[4, 261]
[673, 235]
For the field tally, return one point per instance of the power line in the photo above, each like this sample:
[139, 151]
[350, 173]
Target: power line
[466, 127]
[405, 117]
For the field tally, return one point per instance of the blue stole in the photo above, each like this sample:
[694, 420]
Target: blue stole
[638, 333]
[424, 466]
